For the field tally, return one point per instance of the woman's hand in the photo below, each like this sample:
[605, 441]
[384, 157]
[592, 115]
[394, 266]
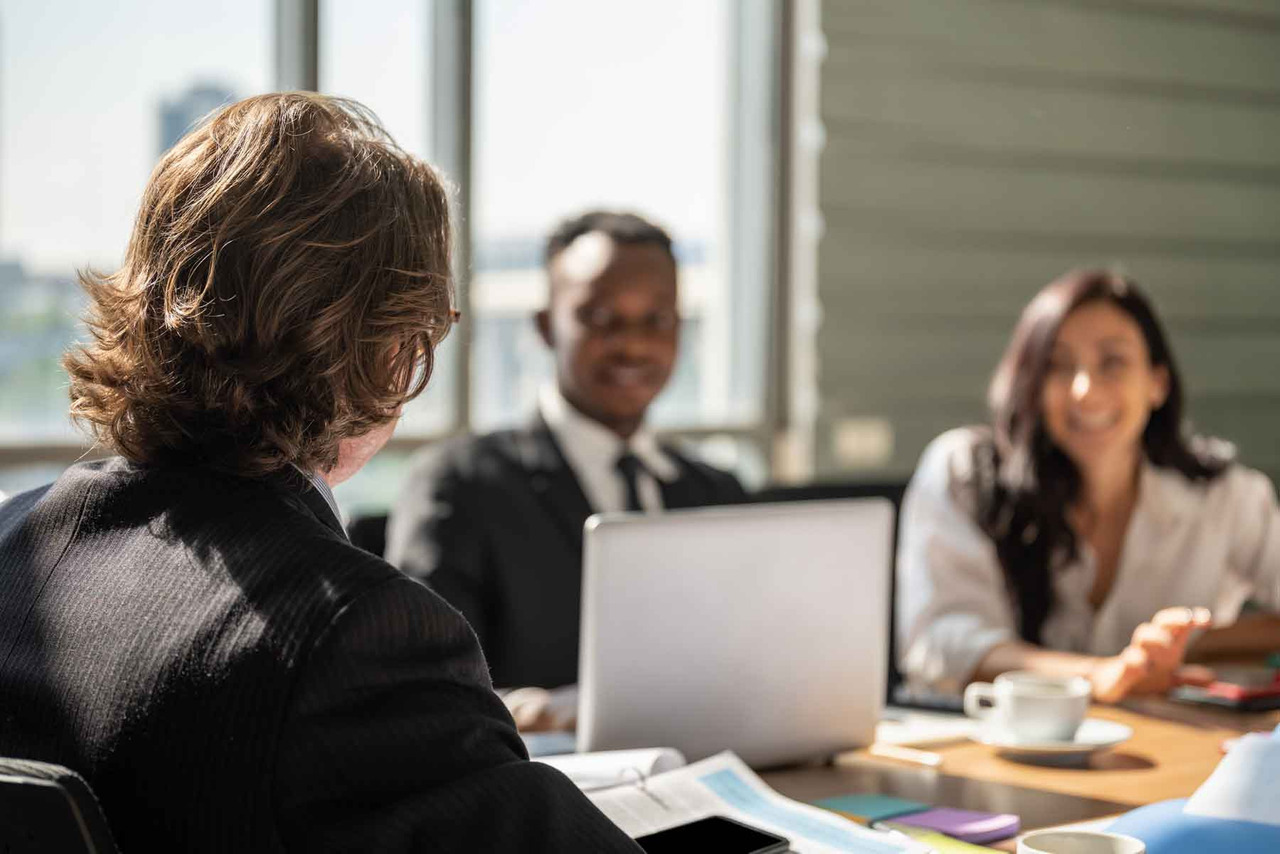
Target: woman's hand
[1152, 663]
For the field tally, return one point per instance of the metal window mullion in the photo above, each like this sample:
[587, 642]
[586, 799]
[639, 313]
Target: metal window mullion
[752, 192]
[451, 111]
[798, 363]
[297, 45]
[778, 370]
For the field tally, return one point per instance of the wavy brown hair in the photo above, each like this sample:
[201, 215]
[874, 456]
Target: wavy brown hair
[284, 288]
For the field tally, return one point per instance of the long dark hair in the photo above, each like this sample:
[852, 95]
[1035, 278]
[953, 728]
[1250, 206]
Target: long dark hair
[1024, 483]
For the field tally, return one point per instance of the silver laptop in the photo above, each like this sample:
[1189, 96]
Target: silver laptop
[761, 629]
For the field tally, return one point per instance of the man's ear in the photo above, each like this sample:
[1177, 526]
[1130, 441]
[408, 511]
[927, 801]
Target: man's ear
[542, 320]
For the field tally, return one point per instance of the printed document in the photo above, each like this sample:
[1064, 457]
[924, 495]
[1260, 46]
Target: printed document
[724, 785]
[605, 768]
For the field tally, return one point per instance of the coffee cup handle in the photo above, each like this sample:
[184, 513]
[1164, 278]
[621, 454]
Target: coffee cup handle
[974, 695]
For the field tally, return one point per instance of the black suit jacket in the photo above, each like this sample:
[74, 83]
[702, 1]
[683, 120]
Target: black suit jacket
[230, 674]
[494, 523]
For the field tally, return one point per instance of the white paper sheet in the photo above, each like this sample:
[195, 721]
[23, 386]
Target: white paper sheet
[724, 785]
[908, 727]
[599, 770]
[1246, 783]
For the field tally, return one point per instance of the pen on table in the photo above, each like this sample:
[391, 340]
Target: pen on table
[905, 754]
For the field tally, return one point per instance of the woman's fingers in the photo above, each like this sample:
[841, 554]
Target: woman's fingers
[1179, 623]
[1193, 674]
[1183, 619]
[1152, 662]
[1153, 638]
[1161, 644]
[1115, 677]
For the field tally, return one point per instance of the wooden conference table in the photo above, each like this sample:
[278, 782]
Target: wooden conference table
[1173, 749]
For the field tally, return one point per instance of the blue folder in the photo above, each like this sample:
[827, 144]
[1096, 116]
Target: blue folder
[1166, 829]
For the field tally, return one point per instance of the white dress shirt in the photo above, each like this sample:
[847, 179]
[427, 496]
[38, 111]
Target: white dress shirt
[592, 451]
[1212, 543]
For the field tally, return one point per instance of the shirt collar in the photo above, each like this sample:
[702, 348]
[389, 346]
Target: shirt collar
[326, 492]
[574, 430]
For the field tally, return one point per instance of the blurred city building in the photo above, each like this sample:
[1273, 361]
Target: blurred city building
[183, 112]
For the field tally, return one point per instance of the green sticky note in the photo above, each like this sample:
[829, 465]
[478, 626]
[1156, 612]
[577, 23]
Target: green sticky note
[872, 807]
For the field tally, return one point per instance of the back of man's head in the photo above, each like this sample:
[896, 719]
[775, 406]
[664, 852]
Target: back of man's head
[287, 276]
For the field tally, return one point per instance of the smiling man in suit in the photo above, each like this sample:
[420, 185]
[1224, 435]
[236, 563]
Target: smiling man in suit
[494, 522]
[185, 624]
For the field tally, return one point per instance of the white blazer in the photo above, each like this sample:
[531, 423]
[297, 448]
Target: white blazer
[1212, 543]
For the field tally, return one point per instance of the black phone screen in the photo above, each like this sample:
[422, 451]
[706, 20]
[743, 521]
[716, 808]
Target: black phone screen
[716, 833]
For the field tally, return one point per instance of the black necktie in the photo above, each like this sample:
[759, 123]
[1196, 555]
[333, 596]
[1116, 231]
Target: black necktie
[629, 466]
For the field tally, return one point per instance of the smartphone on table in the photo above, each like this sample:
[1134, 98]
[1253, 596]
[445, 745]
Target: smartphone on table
[1240, 688]
[714, 833]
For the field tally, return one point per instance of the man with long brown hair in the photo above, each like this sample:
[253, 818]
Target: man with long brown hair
[185, 624]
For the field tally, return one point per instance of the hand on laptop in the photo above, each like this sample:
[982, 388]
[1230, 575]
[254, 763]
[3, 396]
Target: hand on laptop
[542, 710]
[1152, 662]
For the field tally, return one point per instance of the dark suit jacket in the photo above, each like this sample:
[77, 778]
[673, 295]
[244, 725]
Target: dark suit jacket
[494, 523]
[230, 674]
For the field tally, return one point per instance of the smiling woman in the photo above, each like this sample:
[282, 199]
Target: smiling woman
[1046, 540]
[1101, 387]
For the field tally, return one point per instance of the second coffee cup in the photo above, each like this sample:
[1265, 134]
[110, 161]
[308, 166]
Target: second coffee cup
[1025, 707]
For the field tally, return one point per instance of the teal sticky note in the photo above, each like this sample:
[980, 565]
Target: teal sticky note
[872, 807]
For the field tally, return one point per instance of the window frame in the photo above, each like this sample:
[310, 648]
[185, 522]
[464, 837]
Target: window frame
[759, 180]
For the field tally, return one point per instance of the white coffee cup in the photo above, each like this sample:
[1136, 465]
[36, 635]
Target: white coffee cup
[1079, 842]
[1028, 707]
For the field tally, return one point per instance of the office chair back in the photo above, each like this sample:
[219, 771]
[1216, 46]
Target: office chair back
[49, 809]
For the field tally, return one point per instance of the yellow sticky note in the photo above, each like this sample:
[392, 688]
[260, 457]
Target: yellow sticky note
[939, 842]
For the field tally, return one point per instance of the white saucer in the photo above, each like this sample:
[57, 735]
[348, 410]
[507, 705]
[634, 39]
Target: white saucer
[1094, 735]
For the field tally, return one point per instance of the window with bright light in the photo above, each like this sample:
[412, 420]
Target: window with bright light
[581, 104]
[91, 94]
[576, 104]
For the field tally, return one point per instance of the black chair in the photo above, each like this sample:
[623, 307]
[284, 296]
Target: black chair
[49, 809]
[369, 533]
[892, 490]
